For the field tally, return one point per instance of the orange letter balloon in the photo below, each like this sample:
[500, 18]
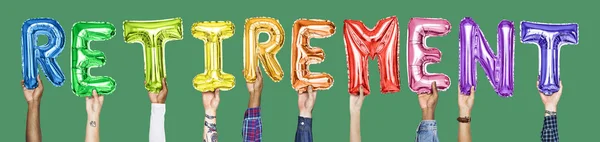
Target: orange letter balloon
[303, 54]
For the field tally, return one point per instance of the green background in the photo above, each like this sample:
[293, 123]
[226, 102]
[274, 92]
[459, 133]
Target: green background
[394, 117]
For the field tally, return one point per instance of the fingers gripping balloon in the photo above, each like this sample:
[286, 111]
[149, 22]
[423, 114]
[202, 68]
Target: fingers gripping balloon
[44, 55]
[474, 48]
[265, 51]
[83, 58]
[213, 33]
[362, 43]
[419, 55]
[549, 38]
[303, 54]
[153, 35]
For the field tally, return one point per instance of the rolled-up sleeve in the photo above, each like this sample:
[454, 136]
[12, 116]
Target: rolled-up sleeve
[252, 129]
[427, 131]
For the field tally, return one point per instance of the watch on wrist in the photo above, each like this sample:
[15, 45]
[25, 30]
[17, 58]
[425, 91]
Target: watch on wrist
[550, 112]
[465, 119]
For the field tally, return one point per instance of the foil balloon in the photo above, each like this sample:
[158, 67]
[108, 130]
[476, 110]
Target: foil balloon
[499, 68]
[419, 55]
[549, 38]
[362, 43]
[264, 51]
[153, 35]
[304, 55]
[45, 55]
[83, 58]
[213, 33]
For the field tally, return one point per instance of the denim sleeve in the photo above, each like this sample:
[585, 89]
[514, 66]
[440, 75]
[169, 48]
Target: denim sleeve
[427, 131]
[252, 129]
[550, 129]
[304, 131]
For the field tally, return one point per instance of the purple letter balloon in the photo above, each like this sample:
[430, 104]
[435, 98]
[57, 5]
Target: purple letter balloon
[549, 38]
[475, 48]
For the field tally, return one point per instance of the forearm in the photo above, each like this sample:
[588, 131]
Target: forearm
[464, 132]
[33, 130]
[92, 129]
[428, 114]
[355, 127]
[210, 127]
[464, 129]
[254, 101]
[157, 123]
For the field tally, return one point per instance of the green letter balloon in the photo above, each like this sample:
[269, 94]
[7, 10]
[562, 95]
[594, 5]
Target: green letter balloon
[83, 58]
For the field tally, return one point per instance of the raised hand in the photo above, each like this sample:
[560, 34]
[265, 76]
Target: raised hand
[306, 102]
[34, 95]
[465, 103]
[160, 97]
[211, 102]
[428, 103]
[255, 90]
[94, 105]
[551, 102]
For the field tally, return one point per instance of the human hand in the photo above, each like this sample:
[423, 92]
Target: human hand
[211, 102]
[35, 95]
[94, 105]
[465, 103]
[160, 97]
[306, 102]
[356, 102]
[551, 102]
[255, 88]
[428, 102]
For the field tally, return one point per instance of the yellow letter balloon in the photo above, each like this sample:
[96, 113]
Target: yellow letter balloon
[213, 33]
[153, 35]
[263, 51]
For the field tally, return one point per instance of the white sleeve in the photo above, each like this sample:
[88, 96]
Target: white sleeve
[157, 123]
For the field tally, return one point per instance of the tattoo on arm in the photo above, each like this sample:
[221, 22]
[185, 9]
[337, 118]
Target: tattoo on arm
[211, 135]
[93, 123]
[210, 117]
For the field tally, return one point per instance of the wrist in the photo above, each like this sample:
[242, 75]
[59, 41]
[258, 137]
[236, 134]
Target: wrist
[355, 113]
[427, 114]
[33, 103]
[463, 113]
[305, 114]
[551, 108]
[210, 112]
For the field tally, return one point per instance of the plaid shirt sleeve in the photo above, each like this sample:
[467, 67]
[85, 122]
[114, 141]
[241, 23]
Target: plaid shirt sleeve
[427, 131]
[252, 129]
[304, 131]
[550, 129]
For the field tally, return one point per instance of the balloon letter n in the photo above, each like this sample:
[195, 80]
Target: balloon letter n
[474, 48]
